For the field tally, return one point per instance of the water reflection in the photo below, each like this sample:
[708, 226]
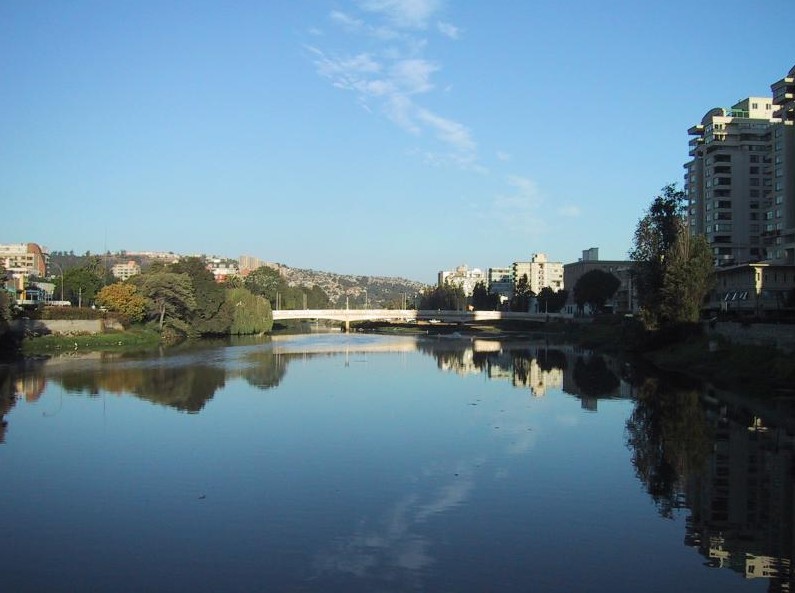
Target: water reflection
[727, 461]
[724, 463]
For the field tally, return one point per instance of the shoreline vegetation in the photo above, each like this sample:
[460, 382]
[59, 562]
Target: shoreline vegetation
[690, 350]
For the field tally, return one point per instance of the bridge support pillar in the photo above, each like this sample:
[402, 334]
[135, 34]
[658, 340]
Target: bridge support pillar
[347, 326]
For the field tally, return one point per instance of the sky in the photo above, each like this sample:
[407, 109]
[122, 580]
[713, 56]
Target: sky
[372, 137]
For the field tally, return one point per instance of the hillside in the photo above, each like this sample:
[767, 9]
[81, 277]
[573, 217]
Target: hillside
[373, 291]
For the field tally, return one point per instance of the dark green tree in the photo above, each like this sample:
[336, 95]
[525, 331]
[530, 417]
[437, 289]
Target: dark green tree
[81, 285]
[444, 298]
[266, 282]
[550, 301]
[689, 276]
[654, 239]
[210, 315]
[522, 295]
[483, 300]
[594, 288]
[171, 300]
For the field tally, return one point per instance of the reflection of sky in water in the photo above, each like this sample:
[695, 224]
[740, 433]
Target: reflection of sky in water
[356, 472]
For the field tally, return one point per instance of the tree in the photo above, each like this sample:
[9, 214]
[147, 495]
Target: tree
[251, 313]
[522, 295]
[123, 298]
[80, 285]
[550, 301]
[171, 300]
[211, 316]
[673, 271]
[266, 282]
[483, 300]
[689, 276]
[445, 297]
[594, 288]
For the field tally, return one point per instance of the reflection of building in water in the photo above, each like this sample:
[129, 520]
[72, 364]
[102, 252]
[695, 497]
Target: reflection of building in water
[30, 387]
[742, 505]
[539, 380]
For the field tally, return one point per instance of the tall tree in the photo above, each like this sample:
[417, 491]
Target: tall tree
[171, 300]
[522, 295]
[654, 239]
[689, 276]
[483, 300]
[550, 301]
[266, 282]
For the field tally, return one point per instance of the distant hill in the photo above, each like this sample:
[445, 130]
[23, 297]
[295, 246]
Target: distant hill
[377, 291]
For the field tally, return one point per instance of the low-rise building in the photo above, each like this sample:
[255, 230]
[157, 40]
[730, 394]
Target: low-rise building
[759, 288]
[28, 259]
[126, 270]
[624, 299]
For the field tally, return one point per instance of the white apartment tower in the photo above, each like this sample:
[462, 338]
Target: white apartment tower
[740, 183]
[729, 180]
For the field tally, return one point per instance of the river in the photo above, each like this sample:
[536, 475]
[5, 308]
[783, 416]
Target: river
[358, 462]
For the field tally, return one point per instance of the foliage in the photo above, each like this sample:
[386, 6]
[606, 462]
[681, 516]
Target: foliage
[593, 378]
[123, 298]
[443, 298]
[669, 439]
[264, 281]
[210, 316]
[251, 313]
[595, 288]
[688, 278]
[550, 301]
[170, 300]
[483, 300]
[522, 295]
[81, 285]
[673, 271]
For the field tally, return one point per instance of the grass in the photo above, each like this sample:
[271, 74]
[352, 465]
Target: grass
[133, 339]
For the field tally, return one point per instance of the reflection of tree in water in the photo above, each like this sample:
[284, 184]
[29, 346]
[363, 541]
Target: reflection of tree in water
[593, 378]
[18, 380]
[184, 387]
[551, 359]
[669, 438]
[266, 369]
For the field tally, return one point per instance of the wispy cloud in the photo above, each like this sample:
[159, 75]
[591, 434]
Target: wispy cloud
[519, 209]
[412, 14]
[503, 156]
[448, 30]
[392, 74]
[570, 211]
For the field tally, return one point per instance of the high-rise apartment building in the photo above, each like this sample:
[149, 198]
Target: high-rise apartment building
[729, 180]
[540, 272]
[779, 231]
[740, 182]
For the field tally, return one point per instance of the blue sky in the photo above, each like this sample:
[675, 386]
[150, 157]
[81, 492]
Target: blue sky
[383, 137]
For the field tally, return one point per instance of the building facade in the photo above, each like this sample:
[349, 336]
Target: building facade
[27, 259]
[728, 182]
[740, 181]
[126, 270]
[540, 272]
[778, 235]
[501, 283]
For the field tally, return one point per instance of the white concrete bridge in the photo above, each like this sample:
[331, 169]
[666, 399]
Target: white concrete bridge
[407, 315]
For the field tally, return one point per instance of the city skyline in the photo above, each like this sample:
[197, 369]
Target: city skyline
[372, 137]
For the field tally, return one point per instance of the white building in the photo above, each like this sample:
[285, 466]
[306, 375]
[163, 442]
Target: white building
[463, 277]
[540, 272]
[126, 270]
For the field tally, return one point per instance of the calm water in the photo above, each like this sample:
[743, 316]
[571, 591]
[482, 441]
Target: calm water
[366, 463]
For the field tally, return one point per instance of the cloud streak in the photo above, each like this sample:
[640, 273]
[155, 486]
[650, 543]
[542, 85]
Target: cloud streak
[392, 76]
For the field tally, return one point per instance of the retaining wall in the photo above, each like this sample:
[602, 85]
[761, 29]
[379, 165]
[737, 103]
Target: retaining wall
[59, 326]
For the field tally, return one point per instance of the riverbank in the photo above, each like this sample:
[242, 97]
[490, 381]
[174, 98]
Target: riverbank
[131, 339]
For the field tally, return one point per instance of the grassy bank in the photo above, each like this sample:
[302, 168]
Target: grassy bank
[132, 339]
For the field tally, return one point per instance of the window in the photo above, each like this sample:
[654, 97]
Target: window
[754, 170]
[754, 105]
[754, 158]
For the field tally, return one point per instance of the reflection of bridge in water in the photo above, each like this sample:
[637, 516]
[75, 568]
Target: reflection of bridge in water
[407, 315]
